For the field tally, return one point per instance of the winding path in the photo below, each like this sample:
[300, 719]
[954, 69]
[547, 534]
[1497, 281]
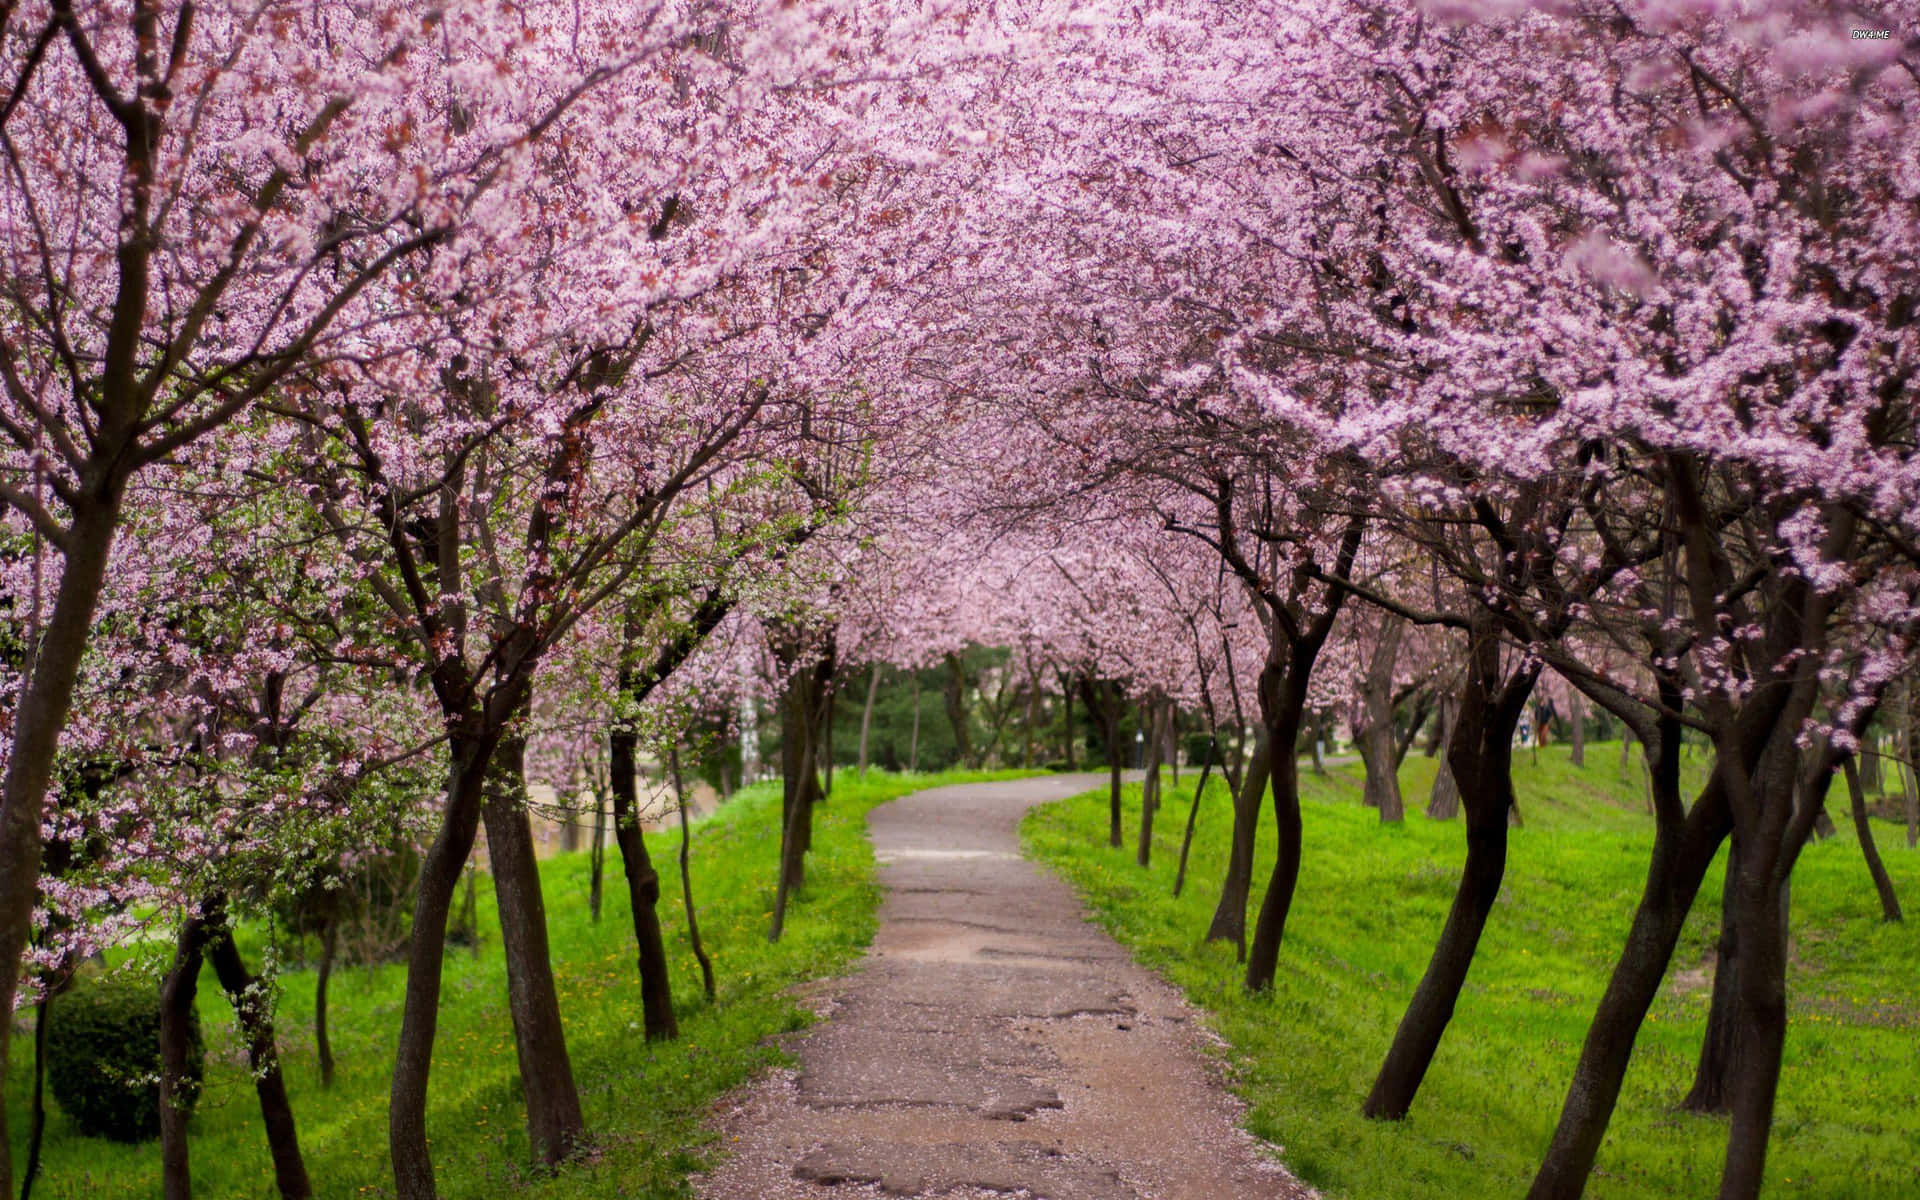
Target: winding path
[992, 1043]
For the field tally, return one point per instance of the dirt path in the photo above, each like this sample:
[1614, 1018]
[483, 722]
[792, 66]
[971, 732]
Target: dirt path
[992, 1043]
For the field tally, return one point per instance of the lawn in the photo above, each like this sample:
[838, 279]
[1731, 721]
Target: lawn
[1372, 899]
[646, 1104]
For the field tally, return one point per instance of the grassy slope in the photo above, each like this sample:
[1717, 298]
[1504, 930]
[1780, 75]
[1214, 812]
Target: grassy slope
[1371, 901]
[645, 1103]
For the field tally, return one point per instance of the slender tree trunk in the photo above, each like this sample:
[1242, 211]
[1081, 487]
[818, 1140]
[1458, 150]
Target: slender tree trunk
[1443, 803]
[555, 1126]
[686, 868]
[1282, 704]
[322, 1040]
[643, 887]
[1150, 787]
[1481, 752]
[1375, 740]
[1230, 915]
[1066, 718]
[252, 1008]
[440, 871]
[1909, 716]
[913, 739]
[957, 715]
[829, 695]
[1114, 753]
[866, 716]
[1711, 1075]
[597, 852]
[39, 715]
[177, 993]
[1681, 857]
[1577, 718]
[37, 1120]
[1889, 902]
[1193, 815]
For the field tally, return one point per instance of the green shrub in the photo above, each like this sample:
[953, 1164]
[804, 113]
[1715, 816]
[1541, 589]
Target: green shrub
[103, 1057]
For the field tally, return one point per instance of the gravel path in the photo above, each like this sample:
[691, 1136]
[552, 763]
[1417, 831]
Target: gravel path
[993, 1043]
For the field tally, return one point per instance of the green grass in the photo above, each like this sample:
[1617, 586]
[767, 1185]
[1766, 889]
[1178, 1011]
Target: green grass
[646, 1104]
[1372, 899]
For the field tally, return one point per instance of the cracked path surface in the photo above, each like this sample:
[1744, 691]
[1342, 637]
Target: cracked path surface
[992, 1043]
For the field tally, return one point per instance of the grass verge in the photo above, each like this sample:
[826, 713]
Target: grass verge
[1371, 901]
[646, 1104]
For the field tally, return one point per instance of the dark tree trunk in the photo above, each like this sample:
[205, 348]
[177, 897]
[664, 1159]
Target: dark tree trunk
[1577, 734]
[1150, 786]
[252, 1008]
[1760, 1016]
[1443, 803]
[37, 1118]
[1375, 739]
[177, 993]
[1107, 703]
[555, 1126]
[1230, 915]
[1193, 816]
[866, 716]
[597, 853]
[1480, 752]
[913, 739]
[643, 887]
[803, 707]
[686, 871]
[322, 1039]
[1682, 853]
[440, 870]
[955, 695]
[1066, 718]
[1889, 902]
[1711, 1074]
[1869, 768]
[39, 716]
[1282, 701]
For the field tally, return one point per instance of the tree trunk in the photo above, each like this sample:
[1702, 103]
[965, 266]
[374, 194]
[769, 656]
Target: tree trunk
[643, 887]
[1230, 915]
[955, 695]
[323, 1042]
[1577, 718]
[866, 716]
[555, 1127]
[1889, 902]
[1375, 739]
[1711, 1074]
[1910, 735]
[440, 870]
[1150, 786]
[177, 992]
[39, 714]
[37, 1120]
[1283, 694]
[1480, 752]
[1681, 857]
[1760, 1016]
[802, 708]
[252, 1009]
[1443, 803]
[1066, 718]
[597, 852]
[913, 739]
[686, 870]
[1193, 815]
[1114, 753]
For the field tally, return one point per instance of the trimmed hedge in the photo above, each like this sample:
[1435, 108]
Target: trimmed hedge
[103, 1057]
